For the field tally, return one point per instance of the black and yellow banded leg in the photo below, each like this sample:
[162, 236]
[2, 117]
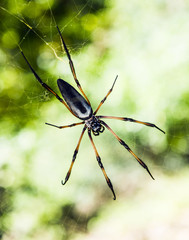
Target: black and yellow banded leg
[132, 120]
[74, 157]
[101, 165]
[66, 126]
[104, 99]
[44, 84]
[128, 149]
[72, 66]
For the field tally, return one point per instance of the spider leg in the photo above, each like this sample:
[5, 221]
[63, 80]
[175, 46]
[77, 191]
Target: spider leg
[74, 157]
[128, 149]
[66, 126]
[44, 84]
[101, 165]
[104, 99]
[72, 65]
[132, 120]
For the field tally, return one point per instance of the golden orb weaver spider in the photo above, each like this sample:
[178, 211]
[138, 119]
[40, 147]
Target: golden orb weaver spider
[79, 105]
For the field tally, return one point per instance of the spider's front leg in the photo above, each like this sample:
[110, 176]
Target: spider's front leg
[74, 157]
[101, 165]
[128, 149]
[132, 120]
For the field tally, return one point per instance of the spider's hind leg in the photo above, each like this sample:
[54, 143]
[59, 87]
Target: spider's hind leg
[104, 99]
[72, 66]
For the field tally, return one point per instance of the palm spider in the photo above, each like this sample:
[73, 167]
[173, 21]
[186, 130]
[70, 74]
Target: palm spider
[81, 108]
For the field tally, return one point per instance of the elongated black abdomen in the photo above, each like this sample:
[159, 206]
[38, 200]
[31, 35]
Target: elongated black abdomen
[75, 100]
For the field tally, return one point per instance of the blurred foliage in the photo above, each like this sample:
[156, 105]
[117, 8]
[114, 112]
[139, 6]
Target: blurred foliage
[146, 44]
[37, 15]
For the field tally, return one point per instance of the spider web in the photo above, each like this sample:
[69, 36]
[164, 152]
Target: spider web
[41, 160]
[71, 220]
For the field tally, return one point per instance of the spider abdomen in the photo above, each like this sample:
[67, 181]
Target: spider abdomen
[75, 101]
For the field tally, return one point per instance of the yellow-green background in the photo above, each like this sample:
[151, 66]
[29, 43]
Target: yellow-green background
[147, 44]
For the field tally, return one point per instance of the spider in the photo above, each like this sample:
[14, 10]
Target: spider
[79, 105]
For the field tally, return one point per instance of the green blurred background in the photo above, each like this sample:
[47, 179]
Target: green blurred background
[147, 44]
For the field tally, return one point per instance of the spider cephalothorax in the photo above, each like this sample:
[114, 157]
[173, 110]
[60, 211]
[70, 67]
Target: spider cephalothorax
[95, 125]
[79, 105]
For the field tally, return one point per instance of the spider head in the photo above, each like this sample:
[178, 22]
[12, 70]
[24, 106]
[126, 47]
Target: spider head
[97, 128]
[95, 125]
